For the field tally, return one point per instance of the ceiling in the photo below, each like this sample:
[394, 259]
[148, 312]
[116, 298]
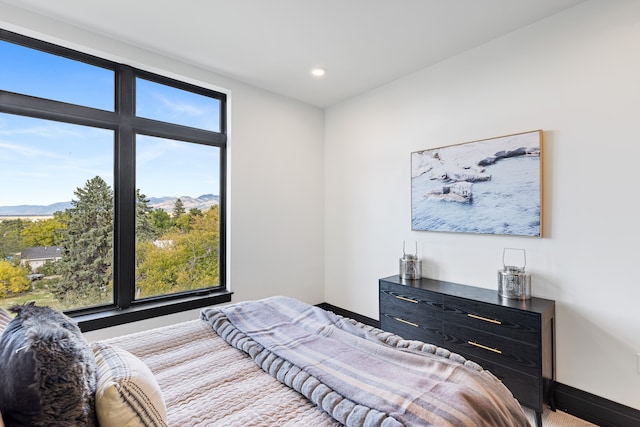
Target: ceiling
[273, 44]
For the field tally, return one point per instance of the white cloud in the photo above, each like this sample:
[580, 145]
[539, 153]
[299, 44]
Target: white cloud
[26, 150]
[180, 108]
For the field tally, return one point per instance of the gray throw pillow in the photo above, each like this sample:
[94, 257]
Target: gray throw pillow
[49, 371]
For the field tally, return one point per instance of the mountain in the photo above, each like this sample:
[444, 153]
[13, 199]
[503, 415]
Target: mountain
[166, 203]
[26, 210]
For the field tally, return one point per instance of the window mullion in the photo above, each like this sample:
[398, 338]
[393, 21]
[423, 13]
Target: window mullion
[173, 131]
[31, 106]
[124, 193]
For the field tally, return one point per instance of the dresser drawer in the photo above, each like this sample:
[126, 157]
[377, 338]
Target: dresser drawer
[421, 308]
[526, 388]
[412, 314]
[430, 333]
[517, 325]
[475, 345]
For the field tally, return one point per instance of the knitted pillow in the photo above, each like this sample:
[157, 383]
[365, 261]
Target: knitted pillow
[48, 369]
[127, 393]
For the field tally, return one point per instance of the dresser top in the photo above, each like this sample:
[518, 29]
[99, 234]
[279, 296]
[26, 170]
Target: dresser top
[538, 305]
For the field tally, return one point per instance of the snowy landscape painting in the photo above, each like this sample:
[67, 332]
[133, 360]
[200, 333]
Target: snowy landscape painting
[491, 186]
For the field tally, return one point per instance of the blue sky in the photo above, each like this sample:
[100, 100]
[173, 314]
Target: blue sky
[43, 162]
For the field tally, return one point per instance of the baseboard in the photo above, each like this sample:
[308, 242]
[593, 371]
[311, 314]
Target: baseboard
[587, 406]
[595, 409]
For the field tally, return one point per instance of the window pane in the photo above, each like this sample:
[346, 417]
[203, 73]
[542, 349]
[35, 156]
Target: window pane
[36, 73]
[177, 221]
[168, 104]
[56, 213]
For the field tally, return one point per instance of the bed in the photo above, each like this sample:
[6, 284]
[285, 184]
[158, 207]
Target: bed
[281, 362]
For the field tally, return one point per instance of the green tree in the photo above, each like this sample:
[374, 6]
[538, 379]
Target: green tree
[185, 260]
[203, 246]
[11, 237]
[194, 212]
[49, 268]
[185, 221]
[145, 229]
[13, 278]
[161, 220]
[178, 209]
[62, 216]
[86, 265]
[43, 233]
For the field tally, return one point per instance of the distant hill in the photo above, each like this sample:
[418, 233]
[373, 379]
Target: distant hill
[26, 210]
[166, 203]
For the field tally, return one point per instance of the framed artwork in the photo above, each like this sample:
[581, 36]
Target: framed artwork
[491, 186]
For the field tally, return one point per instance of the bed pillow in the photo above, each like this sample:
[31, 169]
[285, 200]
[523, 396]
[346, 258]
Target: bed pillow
[48, 370]
[5, 318]
[127, 393]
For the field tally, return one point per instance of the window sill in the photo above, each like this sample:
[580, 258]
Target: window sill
[113, 317]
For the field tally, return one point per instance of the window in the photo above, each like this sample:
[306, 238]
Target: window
[177, 242]
[112, 205]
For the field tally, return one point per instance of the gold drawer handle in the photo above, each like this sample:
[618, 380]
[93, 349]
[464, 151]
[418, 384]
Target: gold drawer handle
[486, 319]
[495, 350]
[407, 322]
[407, 299]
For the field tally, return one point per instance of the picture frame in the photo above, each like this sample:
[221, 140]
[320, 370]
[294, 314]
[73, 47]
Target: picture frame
[489, 186]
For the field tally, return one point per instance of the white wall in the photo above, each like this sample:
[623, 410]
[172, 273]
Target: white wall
[276, 170]
[576, 76]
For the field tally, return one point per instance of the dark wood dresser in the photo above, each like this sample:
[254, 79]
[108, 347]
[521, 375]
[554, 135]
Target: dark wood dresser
[511, 338]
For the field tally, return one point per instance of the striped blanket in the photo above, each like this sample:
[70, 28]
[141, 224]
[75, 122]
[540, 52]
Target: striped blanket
[360, 375]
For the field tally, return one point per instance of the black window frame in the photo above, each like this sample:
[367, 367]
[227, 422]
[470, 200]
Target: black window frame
[126, 126]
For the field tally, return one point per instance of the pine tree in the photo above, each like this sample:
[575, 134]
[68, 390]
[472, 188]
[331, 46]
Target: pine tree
[86, 265]
[178, 209]
[145, 229]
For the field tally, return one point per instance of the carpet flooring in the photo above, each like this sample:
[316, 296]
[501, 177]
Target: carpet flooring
[557, 419]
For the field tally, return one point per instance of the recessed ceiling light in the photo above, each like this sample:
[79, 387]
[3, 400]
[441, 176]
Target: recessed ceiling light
[318, 72]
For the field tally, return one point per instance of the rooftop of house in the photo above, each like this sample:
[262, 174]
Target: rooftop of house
[41, 252]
